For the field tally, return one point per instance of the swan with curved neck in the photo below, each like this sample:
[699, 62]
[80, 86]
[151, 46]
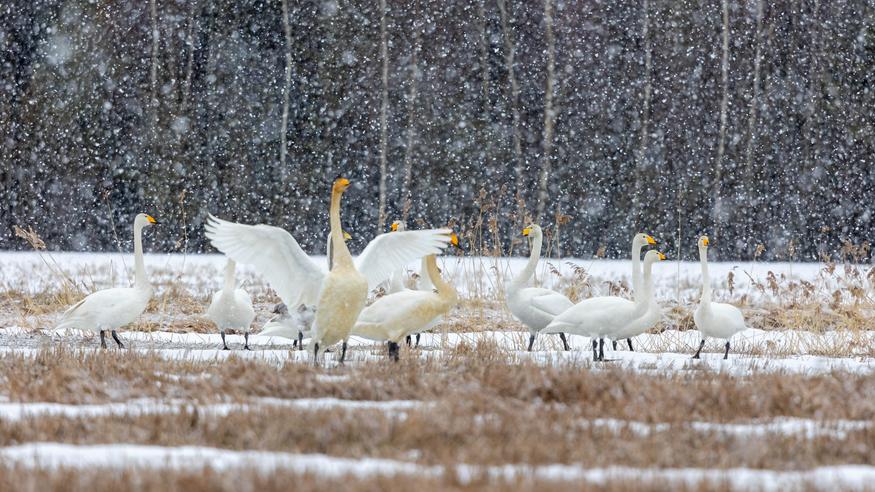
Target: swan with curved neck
[231, 308]
[714, 319]
[110, 309]
[604, 317]
[639, 241]
[393, 317]
[535, 307]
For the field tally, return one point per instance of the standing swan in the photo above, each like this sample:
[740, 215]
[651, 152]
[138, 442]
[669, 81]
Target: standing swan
[394, 316]
[604, 317]
[638, 242]
[231, 308]
[535, 307]
[110, 309]
[714, 319]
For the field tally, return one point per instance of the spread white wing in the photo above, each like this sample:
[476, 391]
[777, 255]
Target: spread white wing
[275, 255]
[388, 252]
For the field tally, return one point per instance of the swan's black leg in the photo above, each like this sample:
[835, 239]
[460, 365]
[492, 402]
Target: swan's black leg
[409, 341]
[565, 345]
[726, 354]
[316, 354]
[614, 345]
[343, 351]
[246, 341]
[300, 340]
[119, 342]
[102, 339]
[702, 344]
[295, 343]
[629, 341]
[225, 345]
[601, 349]
[417, 340]
[595, 350]
[531, 341]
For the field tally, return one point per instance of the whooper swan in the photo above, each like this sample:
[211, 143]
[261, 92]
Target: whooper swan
[231, 308]
[110, 309]
[604, 317]
[638, 242]
[714, 319]
[535, 307]
[339, 294]
[394, 316]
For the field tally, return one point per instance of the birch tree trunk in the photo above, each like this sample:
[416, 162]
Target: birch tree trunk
[384, 108]
[641, 163]
[750, 193]
[509, 57]
[411, 120]
[153, 72]
[717, 188]
[549, 113]
[284, 127]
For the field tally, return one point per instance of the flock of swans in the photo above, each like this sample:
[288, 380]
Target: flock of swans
[329, 306]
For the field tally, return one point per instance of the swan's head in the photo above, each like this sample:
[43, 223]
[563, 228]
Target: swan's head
[144, 220]
[340, 185]
[533, 230]
[653, 256]
[454, 240]
[703, 242]
[398, 226]
[642, 240]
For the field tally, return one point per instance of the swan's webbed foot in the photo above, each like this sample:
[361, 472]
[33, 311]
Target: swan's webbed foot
[102, 339]
[726, 354]
[531, 341]
[246, 341]
[119, 342]
[224, 344]
[565, 345]
[343, 352]
[701, 345]
[394, 351]
[629, 341]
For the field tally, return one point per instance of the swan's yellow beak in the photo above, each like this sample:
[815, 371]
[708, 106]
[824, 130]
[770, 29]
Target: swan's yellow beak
[661, 256]
[705, 241]
[341, 184]
[151, 219]
[347, 236]
[527, 231]
[454, 240]
[394, 226]
[649, 239]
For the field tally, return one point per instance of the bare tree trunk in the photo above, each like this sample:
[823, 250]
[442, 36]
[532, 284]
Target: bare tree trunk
[284, 127]
[153, 74]
[641, 158]
[717, 190]
[549, 112]
[484, 53]
[509, 56]
[384, 107]
[750, 193]
[411, 120]
[189, 62]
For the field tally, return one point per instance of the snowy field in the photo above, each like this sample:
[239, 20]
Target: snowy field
[470, 407]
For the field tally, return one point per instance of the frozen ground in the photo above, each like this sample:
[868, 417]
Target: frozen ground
[478, 328]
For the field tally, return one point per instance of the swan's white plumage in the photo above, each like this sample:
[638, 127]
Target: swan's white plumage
[715, 319]
[231, 308]
[110, 309]
[290, 323]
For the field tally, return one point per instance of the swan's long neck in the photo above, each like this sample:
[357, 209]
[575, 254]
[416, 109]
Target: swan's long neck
[636, 271]
[445, 290]
[230, 270]
[140, 280]
[425, 282]
[330, 253]
[706, 279]
[339, 254]
[646, 298]
[524, 276]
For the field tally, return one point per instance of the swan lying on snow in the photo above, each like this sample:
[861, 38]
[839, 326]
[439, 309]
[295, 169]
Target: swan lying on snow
[231, 308]
[714, 319]
[294, 325]
[605, 317]
[340, 294]
[110, 309]
[535, 307]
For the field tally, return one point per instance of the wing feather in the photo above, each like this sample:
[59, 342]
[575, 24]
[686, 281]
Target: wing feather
[388, 252]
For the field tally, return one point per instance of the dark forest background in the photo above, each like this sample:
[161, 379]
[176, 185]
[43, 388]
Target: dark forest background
[749, 120]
